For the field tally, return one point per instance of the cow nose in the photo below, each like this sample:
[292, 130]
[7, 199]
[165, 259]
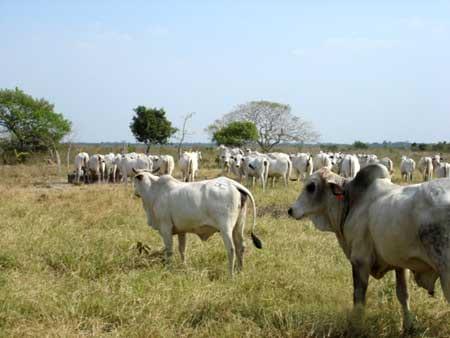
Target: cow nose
[290, 211]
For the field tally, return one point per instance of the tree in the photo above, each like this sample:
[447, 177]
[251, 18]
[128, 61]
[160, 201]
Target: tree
[236, 134]
[274, 122]
[183, 132]
[151, 126]
[360, 145]
[30, 124]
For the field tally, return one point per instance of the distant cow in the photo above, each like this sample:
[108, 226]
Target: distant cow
[322, 160]
[256, 168]
[189, 165]
[81, 161]
[387, 162]
[407, 167]
[382, 226]
[280, 166]
[349, 166]
[131, 161]
[163, 165]
[302, 165]
[442, 170]
[96, 167]
[425, 166]
[202, 208]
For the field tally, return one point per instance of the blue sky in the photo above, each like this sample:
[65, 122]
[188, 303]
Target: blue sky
[358, 71]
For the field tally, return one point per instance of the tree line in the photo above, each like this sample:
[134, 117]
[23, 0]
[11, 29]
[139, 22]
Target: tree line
[29, 125]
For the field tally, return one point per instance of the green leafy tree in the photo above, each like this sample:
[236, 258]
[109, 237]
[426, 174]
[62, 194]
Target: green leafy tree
[360, 145]
[150, 126]
[30, 124]
[236, 134]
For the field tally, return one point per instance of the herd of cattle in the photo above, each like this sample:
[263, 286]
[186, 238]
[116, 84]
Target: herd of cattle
[249, 164]
[379, 225]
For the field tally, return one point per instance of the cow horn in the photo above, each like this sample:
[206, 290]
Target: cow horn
[135, 171]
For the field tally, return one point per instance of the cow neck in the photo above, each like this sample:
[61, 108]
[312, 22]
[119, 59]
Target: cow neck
[344, 209]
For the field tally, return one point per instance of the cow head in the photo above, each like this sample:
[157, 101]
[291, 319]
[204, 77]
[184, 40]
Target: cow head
[143, 181]
[321, 200]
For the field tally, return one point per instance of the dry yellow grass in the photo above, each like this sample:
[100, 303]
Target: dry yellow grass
[69, 267]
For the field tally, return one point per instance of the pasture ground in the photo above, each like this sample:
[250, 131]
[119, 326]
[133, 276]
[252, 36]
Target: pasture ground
[69, 267]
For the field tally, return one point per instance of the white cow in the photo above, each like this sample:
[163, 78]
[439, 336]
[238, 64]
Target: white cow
[256, 167]
[202, 208]
[280, 165]
[189, 165]
[442, 170]
[407, 167]
[131, 161]
[110, 166]
[349, 166]
[81, 161]
[96, 166]
[163, 165]
[322, 160]
[425, 167]
[382, 227]
[366, 159]
[302, 165]
[236, 166]
[387, 162]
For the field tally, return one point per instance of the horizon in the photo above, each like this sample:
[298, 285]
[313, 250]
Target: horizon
[368, 72]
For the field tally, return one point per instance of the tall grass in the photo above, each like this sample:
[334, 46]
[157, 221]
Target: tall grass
[69, 267]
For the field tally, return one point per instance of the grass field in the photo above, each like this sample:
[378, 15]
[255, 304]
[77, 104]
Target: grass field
[69, 267]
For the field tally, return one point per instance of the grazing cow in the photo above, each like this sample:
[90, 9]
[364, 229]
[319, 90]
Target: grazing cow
[407, 167]
[442, 170]
[387, 162]
[302, 165]
[256, 167]
[224, 159]
[426, 168]
[322, 160]
[189, 165]
[349, 166]
[96, 167]
[382, 226]
[202, 208]
[280, 165]
[81, 161]
[163, 165]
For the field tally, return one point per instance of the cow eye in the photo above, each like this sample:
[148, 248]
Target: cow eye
[311, 187]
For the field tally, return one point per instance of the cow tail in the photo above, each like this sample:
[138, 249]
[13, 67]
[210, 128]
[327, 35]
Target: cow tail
[288, 174]
[245, 192]
[266, 170]
[189, 168]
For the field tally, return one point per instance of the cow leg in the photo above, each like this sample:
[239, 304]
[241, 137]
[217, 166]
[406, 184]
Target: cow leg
[403, 298]
[360, 274]
[238, 236]
[182, 247]
[229, 246]
[166, 234]
[445, 284]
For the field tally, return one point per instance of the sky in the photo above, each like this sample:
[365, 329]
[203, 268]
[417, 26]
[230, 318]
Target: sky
[357, 71]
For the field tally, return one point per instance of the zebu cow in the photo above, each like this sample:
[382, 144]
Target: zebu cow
[302, 165]
[387, 162]
[349, 166]
[407, 167]
[163, 165]
[367, 159]
[237, 167]
[256, 167]
[280, 165]
[442, 170]
[131, 161]
[425, 166]
[81, 161]
[322, 160]
[110, 167]
[382, 226]
[189, 165]
[202, 208]
[96, 167]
